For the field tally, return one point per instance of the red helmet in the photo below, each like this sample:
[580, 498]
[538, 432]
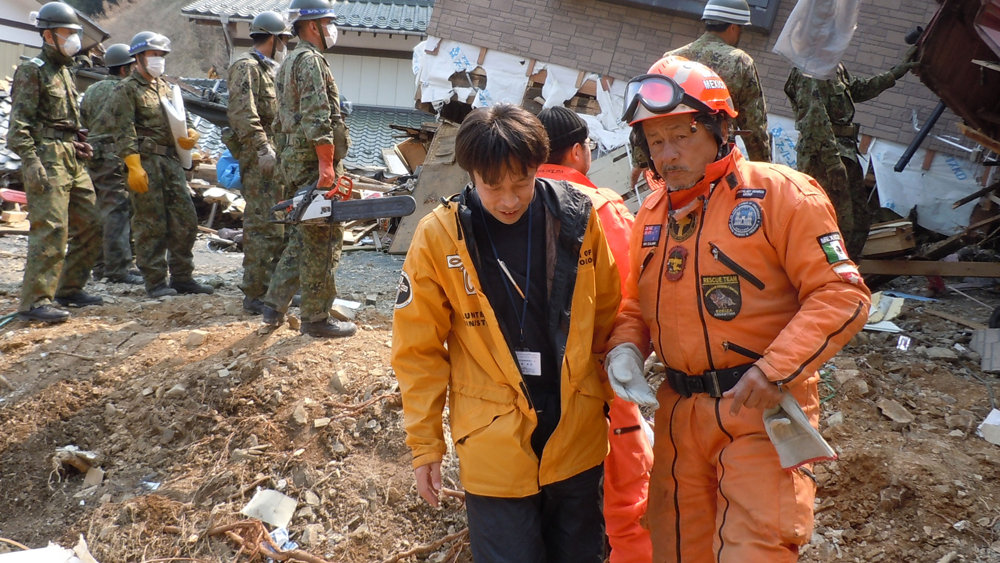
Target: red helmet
[675, 85]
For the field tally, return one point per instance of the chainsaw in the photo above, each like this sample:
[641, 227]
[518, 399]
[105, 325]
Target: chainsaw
[314, 205]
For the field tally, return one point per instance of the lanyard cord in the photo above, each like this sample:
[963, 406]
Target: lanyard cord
[508, 279]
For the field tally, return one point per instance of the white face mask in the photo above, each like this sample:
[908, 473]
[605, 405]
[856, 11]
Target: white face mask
[70, 45]
[155, 66]
[280, 52]
[330, 35]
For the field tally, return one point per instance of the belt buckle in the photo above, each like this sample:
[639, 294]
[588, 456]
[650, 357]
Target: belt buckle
[710, 379]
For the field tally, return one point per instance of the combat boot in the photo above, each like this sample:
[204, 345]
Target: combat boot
[129, 278]
[272, 317]
[161, 290]
[79, 299]
[328, 329]
[253, 306]
[191, 286]
[45, 314]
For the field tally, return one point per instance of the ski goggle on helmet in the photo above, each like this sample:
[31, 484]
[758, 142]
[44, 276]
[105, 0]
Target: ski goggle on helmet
[675, 85]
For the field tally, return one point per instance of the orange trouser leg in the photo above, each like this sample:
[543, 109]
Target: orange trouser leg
[626, 483]
[717, 491]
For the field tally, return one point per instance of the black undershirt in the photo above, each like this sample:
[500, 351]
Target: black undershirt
[510, 244]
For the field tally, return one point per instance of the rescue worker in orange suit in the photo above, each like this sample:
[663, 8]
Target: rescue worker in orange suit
[740, 280]
[626, 469]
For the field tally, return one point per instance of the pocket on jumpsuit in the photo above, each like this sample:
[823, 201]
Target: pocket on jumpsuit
[483, 432]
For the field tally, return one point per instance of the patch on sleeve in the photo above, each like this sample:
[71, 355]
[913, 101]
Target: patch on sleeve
[745, 219]
[722, 296]
[832, 245]
[650, 235]
[751, 193]
[404, 293]
[848, 272]
[676, 260]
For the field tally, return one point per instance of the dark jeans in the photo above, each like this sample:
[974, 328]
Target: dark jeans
[561, 524]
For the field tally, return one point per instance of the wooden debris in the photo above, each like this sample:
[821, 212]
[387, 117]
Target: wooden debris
[422, 549]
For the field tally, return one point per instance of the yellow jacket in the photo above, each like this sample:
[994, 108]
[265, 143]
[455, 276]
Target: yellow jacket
[447, 342]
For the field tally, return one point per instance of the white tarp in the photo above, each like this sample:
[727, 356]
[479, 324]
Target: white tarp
[560, 84]
[506, 79]
[931, 192]
[433, 71]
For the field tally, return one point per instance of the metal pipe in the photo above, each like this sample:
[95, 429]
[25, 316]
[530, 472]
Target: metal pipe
[904, 159]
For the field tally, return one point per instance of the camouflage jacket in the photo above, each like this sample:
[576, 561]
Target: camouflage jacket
[737, 70]
[824, 115]
[96, 113]
[309, 103]
[137, 115]
[252, 103]
[43, 98]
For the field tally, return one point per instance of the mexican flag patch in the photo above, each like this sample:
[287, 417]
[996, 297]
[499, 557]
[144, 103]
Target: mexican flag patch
[833, 247]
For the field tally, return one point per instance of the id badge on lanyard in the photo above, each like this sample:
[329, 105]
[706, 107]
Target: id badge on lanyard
[529, 361]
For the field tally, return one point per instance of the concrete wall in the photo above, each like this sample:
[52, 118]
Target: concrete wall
[622, 42]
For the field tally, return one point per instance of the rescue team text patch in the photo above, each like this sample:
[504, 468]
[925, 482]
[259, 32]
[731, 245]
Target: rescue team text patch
[833, 247]
[404, 293]
[751, 193]
[848, 272]
[650, 235]
[745, 219]
[682, 229]
[722, 296]
[676, 259]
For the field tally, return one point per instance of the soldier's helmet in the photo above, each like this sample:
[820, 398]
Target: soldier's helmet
[676, 85]
[118, 55]
[727, 11]
[303, 10]
[270, 23]
[57, 14]
[148, 41]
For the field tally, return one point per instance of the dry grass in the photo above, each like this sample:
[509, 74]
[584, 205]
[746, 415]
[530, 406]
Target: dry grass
[196, 48]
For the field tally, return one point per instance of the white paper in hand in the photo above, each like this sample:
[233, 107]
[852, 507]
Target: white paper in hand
[178, 124]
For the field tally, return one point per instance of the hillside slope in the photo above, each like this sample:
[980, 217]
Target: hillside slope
[196, 48]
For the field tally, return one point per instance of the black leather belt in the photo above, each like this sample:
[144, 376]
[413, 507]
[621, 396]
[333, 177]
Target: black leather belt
[713, 382]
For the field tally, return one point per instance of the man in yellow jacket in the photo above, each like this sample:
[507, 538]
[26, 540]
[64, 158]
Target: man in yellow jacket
[507, 296]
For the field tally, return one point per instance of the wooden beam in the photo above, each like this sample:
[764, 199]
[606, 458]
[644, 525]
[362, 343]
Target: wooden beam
[866, 141]
[980, 137]
[956, 319]
[930, 268]
[928, 159]
[482, 56]
[976, 195]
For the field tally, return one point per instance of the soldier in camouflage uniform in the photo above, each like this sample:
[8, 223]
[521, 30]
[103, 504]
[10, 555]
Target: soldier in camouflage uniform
[252, 115]
[164, 223]
[827, 148]
[106, 169]
[44, 132]
[316, 141]
[716, 49]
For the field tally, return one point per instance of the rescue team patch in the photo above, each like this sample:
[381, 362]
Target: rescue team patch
[745, 219]
[722, 296]
[650, 235]
[848, 272]
[404, 293]
[751, 193]
[682, 229]
[676, 259]
[732, 181]
[833, 246]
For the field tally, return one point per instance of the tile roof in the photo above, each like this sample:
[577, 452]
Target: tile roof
[374, 15]
[370, 133]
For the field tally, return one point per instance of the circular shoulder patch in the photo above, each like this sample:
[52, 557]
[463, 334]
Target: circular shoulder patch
[745, 219]
[404, 293]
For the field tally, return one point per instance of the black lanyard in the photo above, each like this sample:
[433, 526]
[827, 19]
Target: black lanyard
[508, 278]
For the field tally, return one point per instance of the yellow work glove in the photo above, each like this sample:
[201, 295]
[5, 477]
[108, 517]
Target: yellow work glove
[187, 143]
[138, 180]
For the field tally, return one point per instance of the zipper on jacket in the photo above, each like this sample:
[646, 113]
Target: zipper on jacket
[732, 265]
[524, 389]
[727, 345]
[697, 279]
[645, 262]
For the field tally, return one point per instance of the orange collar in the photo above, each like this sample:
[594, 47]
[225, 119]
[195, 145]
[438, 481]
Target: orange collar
[560, 172]
[713, 172]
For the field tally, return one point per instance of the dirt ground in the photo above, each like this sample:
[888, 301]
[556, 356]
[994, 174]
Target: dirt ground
[191, 408]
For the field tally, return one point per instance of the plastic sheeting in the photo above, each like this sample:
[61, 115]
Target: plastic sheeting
[816, 35]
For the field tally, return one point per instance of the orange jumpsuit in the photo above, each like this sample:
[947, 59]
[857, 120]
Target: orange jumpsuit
[626, 469]
[748, 267]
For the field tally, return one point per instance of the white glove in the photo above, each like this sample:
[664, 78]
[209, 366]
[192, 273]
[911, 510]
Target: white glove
[795, 440]
[266, 159]
[624, 364]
